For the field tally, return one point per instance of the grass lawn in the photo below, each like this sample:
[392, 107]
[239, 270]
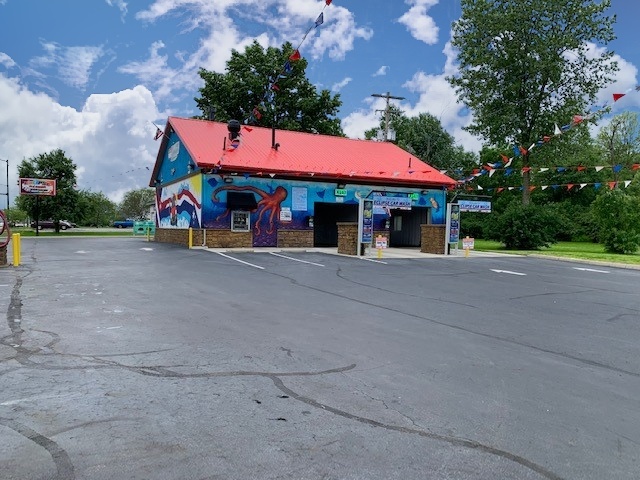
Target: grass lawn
[577, 250]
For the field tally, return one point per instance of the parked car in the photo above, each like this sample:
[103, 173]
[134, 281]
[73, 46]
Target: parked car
[51, 224]
[123, 224]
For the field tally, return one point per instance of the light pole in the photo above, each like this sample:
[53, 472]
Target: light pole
[7, 192]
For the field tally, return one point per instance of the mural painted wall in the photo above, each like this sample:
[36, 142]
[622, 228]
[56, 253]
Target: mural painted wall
[285, 204]
[175, 161]
[179, 205]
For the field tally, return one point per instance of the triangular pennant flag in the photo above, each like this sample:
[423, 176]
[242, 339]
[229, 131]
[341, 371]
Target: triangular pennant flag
[295, 55]
[557, 130]
[635, 166]
[581, 168]
[546, 138]
[544, 187]
[543, 169]
[598, 168]
[257, 113]
[532, 146]
[582, 185]
[626, 183]
[516, 151]
[617, 168]
[443, 172]
[492, 172]
[569, 186]
[287, 67]
[319, 20]
[560, 169]
[508, 164]
[526, 169]
[272, 175]
[328, 2]
[158, 134]
[597, 185]
[577, 119]
[508, 171]
[564, 128]
[617, 96]
[511, 188]
[532, 188]
[499, 189]
[505, 159]
[275, 87]
[612, 185]
[248, 129]
[480, 188]
[555, 187]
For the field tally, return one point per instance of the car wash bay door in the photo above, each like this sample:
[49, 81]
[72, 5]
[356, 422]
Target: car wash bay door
[325, 217]
[405, 226]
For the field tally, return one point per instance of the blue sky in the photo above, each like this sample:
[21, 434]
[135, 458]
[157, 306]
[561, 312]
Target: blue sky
[89, 76]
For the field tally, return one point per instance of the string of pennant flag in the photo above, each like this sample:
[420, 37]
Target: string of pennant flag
[567, 186]
[272, 87]
[519, 151]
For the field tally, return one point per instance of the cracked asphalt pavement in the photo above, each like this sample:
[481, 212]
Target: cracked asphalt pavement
[127, 359]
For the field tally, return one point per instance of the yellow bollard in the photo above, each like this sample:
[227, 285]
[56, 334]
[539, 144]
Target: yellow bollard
[15, 238]
[466, 252]
[190, 238]
[379, 253]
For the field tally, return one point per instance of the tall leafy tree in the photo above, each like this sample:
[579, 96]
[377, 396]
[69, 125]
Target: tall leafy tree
[257, 87]
[526, 64]
[96, 209]
[137, 203]
[53, 165]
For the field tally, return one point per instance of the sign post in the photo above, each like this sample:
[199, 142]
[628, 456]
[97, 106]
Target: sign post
[365, 224]
[453, 227]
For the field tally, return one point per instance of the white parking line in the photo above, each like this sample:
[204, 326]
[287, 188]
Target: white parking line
[372, 260]
[509, 272]
[241, 261]
[296, 259]
[590, 270]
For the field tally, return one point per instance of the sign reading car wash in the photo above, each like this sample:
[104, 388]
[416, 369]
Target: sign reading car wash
[37, 186]
[482, 206]
[382, 199]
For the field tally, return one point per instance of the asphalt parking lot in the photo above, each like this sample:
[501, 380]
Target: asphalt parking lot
[127, 359]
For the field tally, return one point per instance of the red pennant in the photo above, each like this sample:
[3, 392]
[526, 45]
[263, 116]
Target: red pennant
[569, 186]
[505, 159]
[577, 119]
[612, 185]
[248, 129]
[532, 188]
[328, 2]
[635, 166]
[257, 114]
[526, 169]
[499, 189]
[523, 151]
[546, 139]
[295, 55]
[581, 168]
[275, 87]
[618, 96]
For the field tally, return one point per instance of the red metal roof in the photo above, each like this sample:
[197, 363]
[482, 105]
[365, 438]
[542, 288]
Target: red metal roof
[303, 154]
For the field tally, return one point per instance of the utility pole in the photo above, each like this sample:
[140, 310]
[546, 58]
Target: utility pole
[388, 96]
[7, 162]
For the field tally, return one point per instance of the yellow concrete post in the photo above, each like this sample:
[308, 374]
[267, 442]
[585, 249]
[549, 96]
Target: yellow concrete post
[190, 238]
[15, 238]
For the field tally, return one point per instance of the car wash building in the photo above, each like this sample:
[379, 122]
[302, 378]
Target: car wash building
[225, 185]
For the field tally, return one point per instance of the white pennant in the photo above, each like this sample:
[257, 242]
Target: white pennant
[272, 175]
[599, 168]
[491, 172]
[582, 185]
[544, 169]
[544, 187]
[557, 131]
[480, 188]
[626, 183]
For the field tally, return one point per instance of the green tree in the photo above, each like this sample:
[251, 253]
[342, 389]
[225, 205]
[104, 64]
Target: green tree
[293, 104]
[15, 215]
[53, 165]
[620, 140]
[96, 209]
[525, 65]
[617, 215]
[425, 137]
[136, 204]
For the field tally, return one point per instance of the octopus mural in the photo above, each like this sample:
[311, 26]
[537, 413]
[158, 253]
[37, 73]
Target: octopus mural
[269, 202]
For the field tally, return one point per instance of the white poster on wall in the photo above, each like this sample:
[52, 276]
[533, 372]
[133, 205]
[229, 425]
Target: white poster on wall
[299, 199]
